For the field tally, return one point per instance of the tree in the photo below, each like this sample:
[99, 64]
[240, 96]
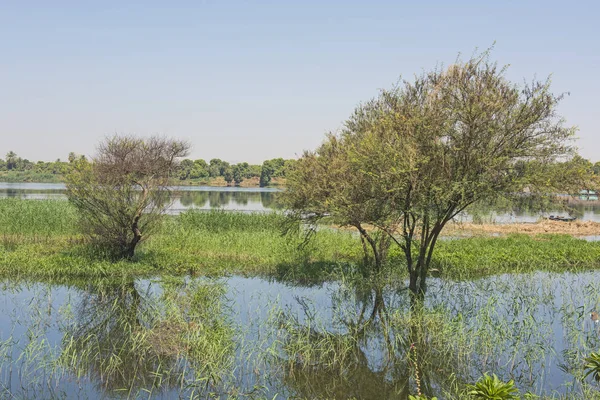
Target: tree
[413, 158]
[217, 167]
[597, 168]
[271, 168]
[185, 168]
[11, 160]
[254, 171]
[123, 192]
[239, 172]
[228, 174]
[200, 170]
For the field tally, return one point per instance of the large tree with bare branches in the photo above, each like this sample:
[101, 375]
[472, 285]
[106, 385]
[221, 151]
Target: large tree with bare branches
[123, 191]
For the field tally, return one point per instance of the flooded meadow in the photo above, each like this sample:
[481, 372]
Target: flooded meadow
[260, 338]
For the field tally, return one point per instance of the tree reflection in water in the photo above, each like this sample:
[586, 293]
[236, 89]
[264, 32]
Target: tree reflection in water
[129, 341]
[368, 350]
[231, 199]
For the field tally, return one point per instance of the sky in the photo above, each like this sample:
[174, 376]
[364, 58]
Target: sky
[254, 80]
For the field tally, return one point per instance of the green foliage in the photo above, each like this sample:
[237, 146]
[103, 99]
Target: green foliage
[413, 158]
[220, 221]
[37, 218]
[239, 172]
[420, 397]
[228, 174]
[592, 366]
[42, 238]
[516, 253]
[270, 169]
[188, 171]
[492, 388]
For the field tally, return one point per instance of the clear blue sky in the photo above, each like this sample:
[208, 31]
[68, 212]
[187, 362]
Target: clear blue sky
[248, 81]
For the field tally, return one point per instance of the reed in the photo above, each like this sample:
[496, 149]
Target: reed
[42, 239]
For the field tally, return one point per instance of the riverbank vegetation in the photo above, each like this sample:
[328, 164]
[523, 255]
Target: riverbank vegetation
[363, 215]
[216, 172]
[197, 337]
[41, 239]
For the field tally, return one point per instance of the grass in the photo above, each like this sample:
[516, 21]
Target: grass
[177, 336]
[515, 253]
[40, 239]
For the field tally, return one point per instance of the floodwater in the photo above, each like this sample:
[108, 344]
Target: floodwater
[265, 200]
[169, 337]
[184, 197]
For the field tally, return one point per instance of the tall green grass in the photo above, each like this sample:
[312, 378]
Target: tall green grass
[515, 254]
[37, 217]
[223, 221]
[41, 239]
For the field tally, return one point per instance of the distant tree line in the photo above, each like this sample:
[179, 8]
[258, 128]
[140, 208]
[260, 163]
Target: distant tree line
[186, 170]
[233, 173]
[15, 163]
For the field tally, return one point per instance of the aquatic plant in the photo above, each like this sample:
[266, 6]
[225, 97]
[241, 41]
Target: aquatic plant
[592, 366]
[492, 388]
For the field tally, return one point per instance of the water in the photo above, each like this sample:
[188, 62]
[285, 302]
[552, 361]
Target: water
[265, 199]
[103, 339]
[184, 197]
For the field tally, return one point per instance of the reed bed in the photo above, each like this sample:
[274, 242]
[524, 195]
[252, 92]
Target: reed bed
[42, 239]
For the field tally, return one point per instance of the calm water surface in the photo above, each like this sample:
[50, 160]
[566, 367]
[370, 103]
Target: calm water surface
[184, 197]
[265, 199]
[110, 339]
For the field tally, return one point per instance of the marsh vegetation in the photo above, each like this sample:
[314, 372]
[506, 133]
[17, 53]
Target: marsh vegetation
[355, 284]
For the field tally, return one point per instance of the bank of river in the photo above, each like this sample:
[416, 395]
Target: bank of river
[221, 304]
[255, 199]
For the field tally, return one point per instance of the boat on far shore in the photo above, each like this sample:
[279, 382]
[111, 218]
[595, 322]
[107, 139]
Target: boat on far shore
[560, 218]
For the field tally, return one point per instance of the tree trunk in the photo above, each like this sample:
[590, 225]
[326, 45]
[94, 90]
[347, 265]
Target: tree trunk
[137, 236]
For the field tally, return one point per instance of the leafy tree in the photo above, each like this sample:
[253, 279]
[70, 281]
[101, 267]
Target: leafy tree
[266, 173]
[123, 191]
[597, 168]
[413, 158]
[288, 165]
[200, 169]
[271, 168]
[217, 168]
[228, 174]
[254, 171]
[184, 168]
[25, 164]
[239, 172]
[11, 160]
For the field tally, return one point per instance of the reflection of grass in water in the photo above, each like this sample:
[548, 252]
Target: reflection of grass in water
[445, 348]
[180, 338]
[133, 343]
